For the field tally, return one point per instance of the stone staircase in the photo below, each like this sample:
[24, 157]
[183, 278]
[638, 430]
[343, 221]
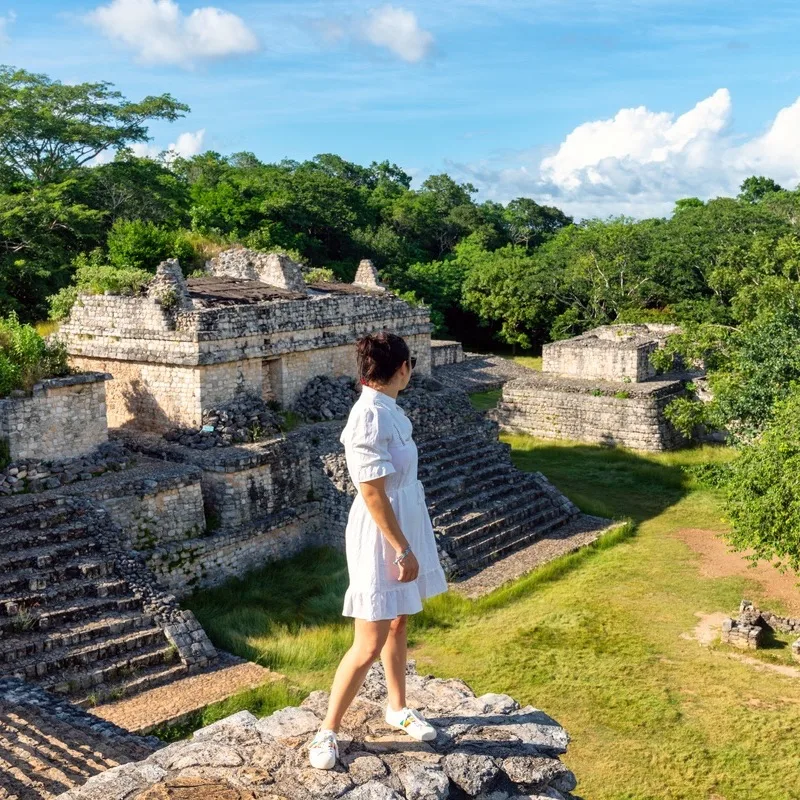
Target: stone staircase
[69, 621]
[482, 507]
[48, 746]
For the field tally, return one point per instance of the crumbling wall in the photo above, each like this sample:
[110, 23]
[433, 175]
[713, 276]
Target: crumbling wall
[62, 418]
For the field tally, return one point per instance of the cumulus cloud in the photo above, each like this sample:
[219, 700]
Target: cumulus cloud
[399, 31]
[6, 20]
[188, 144]
[640, 161]
[160, 33]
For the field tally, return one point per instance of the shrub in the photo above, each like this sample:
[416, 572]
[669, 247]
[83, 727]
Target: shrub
[133, 244]
[93, 276]
[763, 492]
[25, 357]
[320, 275]
[622, 395]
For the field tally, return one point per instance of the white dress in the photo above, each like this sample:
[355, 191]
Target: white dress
[377, 442]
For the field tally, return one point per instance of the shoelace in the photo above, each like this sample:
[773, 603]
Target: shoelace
[324, 738]
[411, 716]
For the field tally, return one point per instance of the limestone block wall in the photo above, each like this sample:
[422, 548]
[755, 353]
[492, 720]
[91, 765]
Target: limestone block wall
[148, 396]
[109, 312]
[182, 567]
[161, 514]
[256, 482]
[63, 418]
[219, 383]
[553, 408]
[605, 360]
[446, 352]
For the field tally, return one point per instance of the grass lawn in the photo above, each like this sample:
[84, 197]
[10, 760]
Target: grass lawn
[594, 639]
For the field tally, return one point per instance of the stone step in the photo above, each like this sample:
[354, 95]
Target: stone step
[27, 537]
[55, 595]
[45, 555]
[487, 492]
[149, 678]
[499, 500]
[449, 483]
[37, 513]
[57, 660]
[478, 527]
[463, 440]
[525, 538]
[44, 751]
[115, 669]
[52, 619]
[20, 579]
[492, 540]
[22, 645]
[465, 457]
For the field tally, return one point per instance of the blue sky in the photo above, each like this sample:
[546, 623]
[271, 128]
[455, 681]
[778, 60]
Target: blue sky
[572, 102]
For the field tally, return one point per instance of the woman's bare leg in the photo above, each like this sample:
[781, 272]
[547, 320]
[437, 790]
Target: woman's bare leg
[368, 641]
[393, 657]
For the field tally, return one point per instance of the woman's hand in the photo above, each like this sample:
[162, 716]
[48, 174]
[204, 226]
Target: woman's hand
[409, 568]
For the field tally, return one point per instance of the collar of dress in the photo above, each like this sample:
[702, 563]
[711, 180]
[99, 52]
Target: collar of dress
[375, 394]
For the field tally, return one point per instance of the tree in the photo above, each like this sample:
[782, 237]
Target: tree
[48, 129]
[507, 288]
[530, 224]
[755, 188]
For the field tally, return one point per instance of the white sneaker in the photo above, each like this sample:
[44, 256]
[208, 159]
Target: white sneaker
[410, 721]
[324, 749]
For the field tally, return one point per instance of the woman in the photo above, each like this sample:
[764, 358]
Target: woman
[391, 551]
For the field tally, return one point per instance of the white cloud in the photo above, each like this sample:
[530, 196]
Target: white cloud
[161, 33]
[399, 31]
[188, 144]
[5, 21]
[639, 161]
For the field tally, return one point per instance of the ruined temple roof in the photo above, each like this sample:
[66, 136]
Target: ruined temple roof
[222, 291]
[216, 291]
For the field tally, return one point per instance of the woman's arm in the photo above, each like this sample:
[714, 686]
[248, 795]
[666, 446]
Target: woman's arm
[377, 502]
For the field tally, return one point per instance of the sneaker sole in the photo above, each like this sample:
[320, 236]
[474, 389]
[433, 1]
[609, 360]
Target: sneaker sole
[424, 738]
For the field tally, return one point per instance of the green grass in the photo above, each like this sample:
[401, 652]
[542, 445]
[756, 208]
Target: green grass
[531, 362]
[485, 400]
[595, 638]
[260, 701]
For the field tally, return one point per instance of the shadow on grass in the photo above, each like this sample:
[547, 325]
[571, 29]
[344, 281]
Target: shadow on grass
[611, 482]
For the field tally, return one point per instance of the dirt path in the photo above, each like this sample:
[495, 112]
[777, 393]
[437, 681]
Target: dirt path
[716, 561]
[170, 703]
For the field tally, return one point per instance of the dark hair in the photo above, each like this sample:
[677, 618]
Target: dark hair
[380, 355]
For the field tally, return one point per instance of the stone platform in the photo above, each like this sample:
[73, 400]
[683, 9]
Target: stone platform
[487, 747]
[552, 406]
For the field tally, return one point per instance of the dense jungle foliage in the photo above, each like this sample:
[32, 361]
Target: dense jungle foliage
[79, 210]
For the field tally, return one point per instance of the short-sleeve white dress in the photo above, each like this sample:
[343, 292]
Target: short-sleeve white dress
[377, 442]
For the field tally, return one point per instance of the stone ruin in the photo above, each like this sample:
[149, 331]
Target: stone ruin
[748, 631]
[203, 480]
[487, 747]
[599, 387]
